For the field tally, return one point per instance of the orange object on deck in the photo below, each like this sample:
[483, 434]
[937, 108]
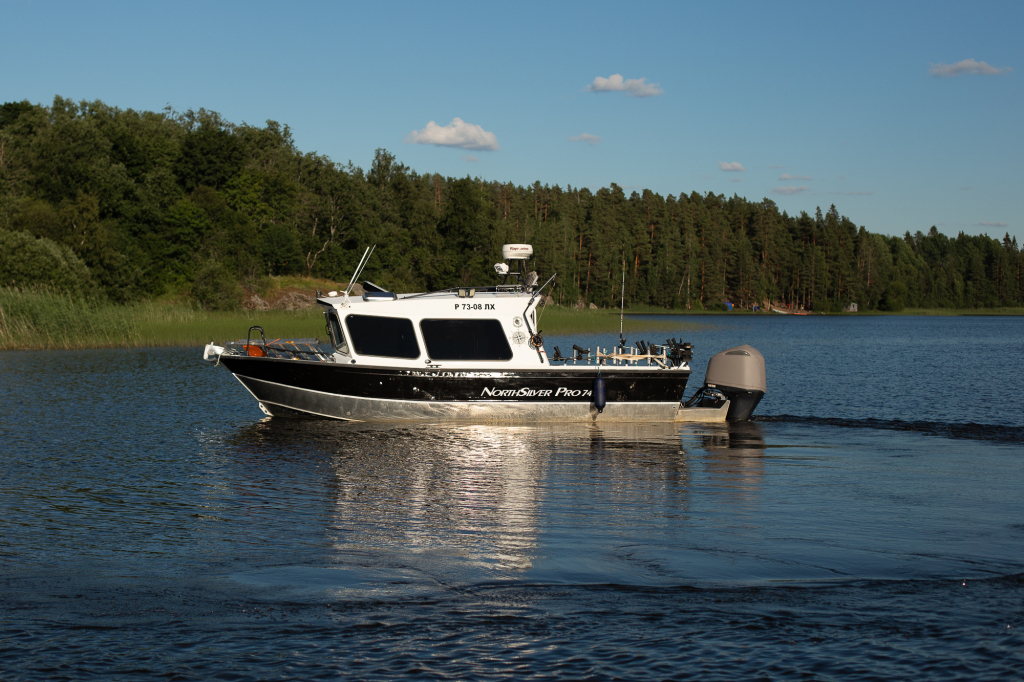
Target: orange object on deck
[255, 351]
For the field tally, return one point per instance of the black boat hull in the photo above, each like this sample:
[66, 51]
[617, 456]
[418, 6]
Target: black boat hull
[295, 387]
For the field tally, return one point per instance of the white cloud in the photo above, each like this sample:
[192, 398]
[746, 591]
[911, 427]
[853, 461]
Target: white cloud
[731, 167]
[470, 158]
[786, 191]
[637, 87]
[586, 137]
[967, 66]
[987, 224]
[458, 133]
[787, 176]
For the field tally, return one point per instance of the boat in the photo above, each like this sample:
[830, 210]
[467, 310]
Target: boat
[476, 354]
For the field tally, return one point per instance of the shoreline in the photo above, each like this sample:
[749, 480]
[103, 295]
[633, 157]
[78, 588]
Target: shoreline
[912, 312]
[66, 325]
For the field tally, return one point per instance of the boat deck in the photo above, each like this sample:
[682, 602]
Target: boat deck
[281, 349]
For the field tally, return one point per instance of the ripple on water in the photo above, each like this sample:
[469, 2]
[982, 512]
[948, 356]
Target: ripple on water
[868, 630]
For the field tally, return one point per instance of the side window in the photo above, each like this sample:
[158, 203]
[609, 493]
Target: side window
[385, 337]
[340, 343]
[465, 340]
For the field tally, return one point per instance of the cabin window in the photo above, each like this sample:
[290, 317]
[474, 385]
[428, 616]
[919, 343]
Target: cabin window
[465, 340]
[337, 335]
[385, 337]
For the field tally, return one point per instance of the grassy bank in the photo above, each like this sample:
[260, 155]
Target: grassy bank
[50, 320]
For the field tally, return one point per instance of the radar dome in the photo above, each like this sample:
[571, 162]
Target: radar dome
[516, 251]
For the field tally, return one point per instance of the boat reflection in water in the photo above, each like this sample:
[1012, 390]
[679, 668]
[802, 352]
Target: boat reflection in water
[457, 496]
[733, 457]
[443, 504]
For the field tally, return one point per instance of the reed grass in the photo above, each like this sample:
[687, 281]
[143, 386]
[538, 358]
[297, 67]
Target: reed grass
[39, 319]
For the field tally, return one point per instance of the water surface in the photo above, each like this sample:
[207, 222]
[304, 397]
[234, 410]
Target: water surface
[869, 524]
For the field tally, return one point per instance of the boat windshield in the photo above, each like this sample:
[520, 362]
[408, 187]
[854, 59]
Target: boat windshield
[337, 335]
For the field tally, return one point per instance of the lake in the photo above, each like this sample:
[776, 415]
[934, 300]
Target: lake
[868, 524]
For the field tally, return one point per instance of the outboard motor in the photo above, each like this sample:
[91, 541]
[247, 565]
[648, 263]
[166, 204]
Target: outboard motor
[738, 373]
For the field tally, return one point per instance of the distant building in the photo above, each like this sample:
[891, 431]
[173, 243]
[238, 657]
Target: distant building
[852, 308]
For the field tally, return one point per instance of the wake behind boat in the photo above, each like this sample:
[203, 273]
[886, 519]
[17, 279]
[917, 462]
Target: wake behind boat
[476, 354]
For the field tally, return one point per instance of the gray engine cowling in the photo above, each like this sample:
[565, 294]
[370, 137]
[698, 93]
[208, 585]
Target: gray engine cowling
[738, 372]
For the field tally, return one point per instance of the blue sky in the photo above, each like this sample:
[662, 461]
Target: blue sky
[870, 106]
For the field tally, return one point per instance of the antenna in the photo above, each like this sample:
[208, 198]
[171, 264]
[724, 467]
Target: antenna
[359, 268]
[622, 305]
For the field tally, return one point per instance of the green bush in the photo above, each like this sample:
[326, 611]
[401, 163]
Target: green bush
[217, 289]
[27, 262]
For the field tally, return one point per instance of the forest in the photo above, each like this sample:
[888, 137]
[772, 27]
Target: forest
[135, 205]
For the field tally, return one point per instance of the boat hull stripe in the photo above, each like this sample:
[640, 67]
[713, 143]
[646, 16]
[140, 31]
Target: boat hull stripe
[283, 400]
